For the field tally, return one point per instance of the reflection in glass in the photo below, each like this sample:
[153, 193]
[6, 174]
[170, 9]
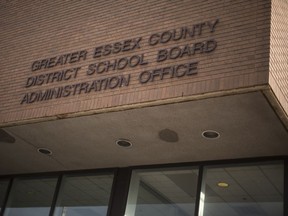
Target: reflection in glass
[254, 190]
[3, 189]
[31, 197]
[162, 192]
[84, 195]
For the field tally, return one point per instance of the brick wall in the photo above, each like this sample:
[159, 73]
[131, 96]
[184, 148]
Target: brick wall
[278, 75]
[37, 30]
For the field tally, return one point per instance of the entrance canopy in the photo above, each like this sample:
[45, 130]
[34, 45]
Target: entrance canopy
[246, 123]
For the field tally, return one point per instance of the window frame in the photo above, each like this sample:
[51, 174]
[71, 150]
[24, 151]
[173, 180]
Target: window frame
[122, 177]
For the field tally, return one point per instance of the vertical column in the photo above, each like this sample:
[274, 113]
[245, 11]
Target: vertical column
[133, 194]
[286, 186]
[119, 192]
[59, 181]
[6, 197]
[200, 199]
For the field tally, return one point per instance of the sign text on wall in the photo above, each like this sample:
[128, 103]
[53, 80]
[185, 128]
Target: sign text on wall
[118, 64]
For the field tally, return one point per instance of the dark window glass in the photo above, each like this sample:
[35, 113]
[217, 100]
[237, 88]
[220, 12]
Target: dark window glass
[31, 197]
[84, 195]
[162, 192]
[252, 190]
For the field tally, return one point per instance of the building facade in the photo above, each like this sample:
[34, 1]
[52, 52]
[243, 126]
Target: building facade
[143, 107]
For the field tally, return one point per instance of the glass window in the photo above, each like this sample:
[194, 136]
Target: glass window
[252, 190]
[84, 195]
[3, 189]
[162, 192]
[31, 197]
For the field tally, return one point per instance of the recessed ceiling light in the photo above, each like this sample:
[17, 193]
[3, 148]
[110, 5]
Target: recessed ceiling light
[223, 184]
[210, 134]
[44, 151]
[124, 143]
